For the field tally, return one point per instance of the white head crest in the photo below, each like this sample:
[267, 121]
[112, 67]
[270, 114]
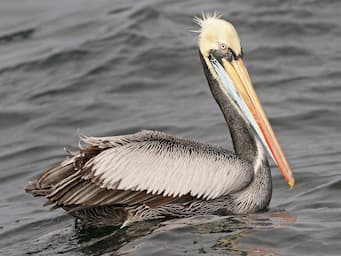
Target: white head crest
[214, 30]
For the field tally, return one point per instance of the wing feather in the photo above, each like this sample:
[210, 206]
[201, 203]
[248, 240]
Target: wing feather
[148, 167]
[163, 165]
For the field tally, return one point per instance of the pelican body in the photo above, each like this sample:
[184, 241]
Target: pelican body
[151, 175]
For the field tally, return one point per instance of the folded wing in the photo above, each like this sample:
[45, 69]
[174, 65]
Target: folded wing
[147, 167]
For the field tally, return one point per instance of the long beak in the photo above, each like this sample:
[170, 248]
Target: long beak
[237, 82]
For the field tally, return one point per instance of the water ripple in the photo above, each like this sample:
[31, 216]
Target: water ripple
[118, 68]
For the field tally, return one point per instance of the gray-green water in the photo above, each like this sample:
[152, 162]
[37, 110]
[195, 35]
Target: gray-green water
[115, 67]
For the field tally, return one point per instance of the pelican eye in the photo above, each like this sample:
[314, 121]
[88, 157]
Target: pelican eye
[223, 47]
[227, 52]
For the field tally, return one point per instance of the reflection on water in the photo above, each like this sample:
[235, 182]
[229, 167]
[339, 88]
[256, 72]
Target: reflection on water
[95, 241]
[238, 228]
[192, 236]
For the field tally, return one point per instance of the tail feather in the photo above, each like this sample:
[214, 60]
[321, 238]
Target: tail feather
[43, 184]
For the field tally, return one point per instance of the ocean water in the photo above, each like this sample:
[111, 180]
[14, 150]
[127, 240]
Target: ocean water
[115, 67]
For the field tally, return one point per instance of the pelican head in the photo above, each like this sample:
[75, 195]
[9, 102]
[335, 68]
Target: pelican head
[220, 49]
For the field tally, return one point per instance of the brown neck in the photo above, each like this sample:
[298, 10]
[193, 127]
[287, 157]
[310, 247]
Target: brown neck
[242, 136]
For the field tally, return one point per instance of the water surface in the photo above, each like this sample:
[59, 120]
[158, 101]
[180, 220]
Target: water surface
[115, 67]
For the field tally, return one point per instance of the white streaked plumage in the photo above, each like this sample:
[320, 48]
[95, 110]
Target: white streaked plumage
[164, 165]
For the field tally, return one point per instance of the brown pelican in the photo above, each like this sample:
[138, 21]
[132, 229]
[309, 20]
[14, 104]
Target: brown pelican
[150, 174]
